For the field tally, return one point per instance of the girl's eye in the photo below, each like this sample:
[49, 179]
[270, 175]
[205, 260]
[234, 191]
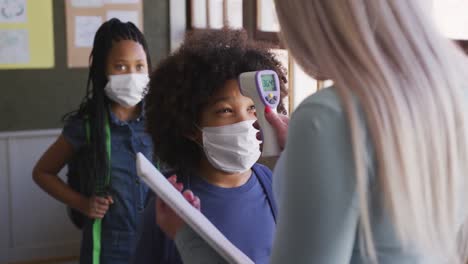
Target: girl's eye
[251, 108]
[140, 67]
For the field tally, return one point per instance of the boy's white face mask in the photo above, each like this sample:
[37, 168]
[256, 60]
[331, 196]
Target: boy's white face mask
[126, 89]
[232, 148]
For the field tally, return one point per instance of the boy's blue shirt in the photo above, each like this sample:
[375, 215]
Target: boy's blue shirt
[246, 215]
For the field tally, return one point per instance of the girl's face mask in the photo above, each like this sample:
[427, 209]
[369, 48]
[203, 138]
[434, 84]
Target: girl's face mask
[126, 89]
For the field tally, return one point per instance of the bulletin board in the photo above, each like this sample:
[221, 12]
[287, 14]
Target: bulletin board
[84, 17]
[26, 34]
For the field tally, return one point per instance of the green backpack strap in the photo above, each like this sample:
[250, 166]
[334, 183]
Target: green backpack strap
[97, 223]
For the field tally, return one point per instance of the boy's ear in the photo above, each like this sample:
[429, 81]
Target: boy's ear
[195, 136]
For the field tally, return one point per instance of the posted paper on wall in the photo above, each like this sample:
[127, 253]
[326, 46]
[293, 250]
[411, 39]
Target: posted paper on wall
[122, 1]
[13, 11]
[87, 3]
[85, 29]
[124, 16]
[83, 19]
[14, 46]
[26, 34]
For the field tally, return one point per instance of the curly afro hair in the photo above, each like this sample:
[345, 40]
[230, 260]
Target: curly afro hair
[183, 83]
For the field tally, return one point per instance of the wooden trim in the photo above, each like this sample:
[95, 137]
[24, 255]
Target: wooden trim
[271, 37]
[225, 13]
[177, 22]
[290, 84]
[49, 260]
[463, 44]
[320, 85]
[248, 17]
[207, 13]
[188, 14]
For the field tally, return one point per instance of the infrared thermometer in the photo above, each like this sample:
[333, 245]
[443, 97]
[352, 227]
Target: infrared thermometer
[264, 89]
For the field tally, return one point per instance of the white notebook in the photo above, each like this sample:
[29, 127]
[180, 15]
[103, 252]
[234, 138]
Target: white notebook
[194, 218]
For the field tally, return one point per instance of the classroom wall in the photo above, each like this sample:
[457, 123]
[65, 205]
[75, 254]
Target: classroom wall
[32, 103]
[33, 226]
[37, 99]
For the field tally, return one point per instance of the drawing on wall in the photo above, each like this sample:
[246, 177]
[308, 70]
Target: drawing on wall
[13, 11]
[26, 34]
[14, 46]
[87, 3]
[85, 29]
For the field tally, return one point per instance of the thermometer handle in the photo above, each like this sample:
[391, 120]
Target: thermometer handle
[271, 147]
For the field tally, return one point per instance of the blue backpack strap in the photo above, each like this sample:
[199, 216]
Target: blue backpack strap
[264, 176]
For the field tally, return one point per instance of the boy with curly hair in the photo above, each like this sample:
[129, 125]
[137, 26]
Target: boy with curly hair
[201, 127]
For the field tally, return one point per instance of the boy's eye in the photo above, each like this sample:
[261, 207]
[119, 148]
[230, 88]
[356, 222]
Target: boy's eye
[252, 108]
[224, 111]
[120, 67]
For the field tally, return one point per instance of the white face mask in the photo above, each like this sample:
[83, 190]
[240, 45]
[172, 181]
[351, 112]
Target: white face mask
[232, 148]
[126, 89]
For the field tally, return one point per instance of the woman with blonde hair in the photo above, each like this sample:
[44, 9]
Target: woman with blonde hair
[375, 167]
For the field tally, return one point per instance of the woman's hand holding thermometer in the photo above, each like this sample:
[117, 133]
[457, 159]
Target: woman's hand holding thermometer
[280, 123]
[264, 89]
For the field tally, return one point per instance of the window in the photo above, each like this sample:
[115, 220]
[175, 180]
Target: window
[266, 26]
[267, 21]
[283, 56]
[303, 85]
[452, 20]
[214, 14]
[258, 18]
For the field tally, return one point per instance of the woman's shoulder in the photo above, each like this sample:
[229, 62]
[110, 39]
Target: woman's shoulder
[322, 111]
[326, 99]
[325, 106]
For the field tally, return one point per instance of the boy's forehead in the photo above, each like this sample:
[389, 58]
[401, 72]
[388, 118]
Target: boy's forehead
[228, 90]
